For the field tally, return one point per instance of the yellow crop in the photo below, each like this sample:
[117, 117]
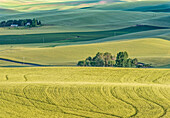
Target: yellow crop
[68, 92]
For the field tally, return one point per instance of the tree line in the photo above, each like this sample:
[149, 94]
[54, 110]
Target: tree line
[21, 22]
[108, 60]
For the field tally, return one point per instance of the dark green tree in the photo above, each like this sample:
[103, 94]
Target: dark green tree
[81, 63]
[89, 58]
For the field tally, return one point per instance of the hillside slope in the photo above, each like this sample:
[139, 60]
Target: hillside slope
[155, 51]
[82, 28]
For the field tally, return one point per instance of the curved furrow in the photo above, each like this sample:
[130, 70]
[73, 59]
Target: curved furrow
[90, 101]
[154, 81]
[140, 103]
[163, 75]
[51, 101]
[2, 109]
[7, 78]
[107, 94]
[25, 78]
[124, 101]
[97, 107]
[158, 78]
[11, 114]
[11, 101]
[139, 78]
[164, 110]
[30, 106]
[60, 110]
[104, 95]
[165, 95]
[162, 106]
[123, 77]
[16, 102]
[29, 99]
[33, 106]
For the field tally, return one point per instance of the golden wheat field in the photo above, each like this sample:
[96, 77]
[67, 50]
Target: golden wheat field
[74, 92]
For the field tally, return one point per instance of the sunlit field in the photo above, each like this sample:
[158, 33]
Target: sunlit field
[84, 92]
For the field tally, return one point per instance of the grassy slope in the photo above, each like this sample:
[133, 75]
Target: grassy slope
[72, 37]
[81, 20]
[147, 50]
[84, 92]
[75, 21]
[87, 20]
[127, 5]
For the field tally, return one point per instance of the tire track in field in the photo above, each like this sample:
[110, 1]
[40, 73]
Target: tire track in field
[157, 104]
[103, 95]
[7, 78]
[23, 104]
[34, 106]
[120, 99]
[164, 75]
[29, 99]
[10, 101]
[11, 114]
[25, 78]
[164, 95]
[164, 109]
[140, 78]
[97, 107]
[102, 92]
[60, 110]
[89, 101]
[50, 100]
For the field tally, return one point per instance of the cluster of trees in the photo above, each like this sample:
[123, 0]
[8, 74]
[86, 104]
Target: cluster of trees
[108, 60]
[101, 59]
[122, 60]
[21, 22]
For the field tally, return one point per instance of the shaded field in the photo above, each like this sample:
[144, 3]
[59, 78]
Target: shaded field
[84, 92]
[71, 36]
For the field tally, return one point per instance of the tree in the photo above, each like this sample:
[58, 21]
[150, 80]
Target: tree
[98, 56]
[129, 63]
[99, 62]
[89, 58]
[125, 55]
[81, 63]
[107, 57]
[134, 62]
[111, 63]
[87, 63]
[92, 63]
[39, 22]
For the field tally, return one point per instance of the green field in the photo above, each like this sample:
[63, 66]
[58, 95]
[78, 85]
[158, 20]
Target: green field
[73, 30]
[84, 92]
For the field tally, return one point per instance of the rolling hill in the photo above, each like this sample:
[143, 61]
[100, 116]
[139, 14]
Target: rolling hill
[85, 24]
[38, 73]
[149, 50]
